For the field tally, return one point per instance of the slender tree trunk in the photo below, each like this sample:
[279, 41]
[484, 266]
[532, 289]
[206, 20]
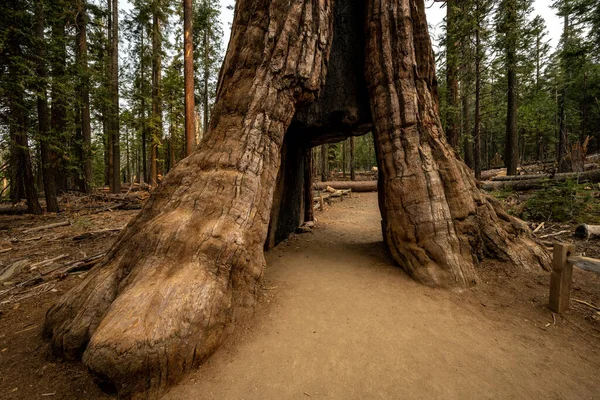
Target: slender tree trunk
[511, 151]
[477, 116]
[156, 97]
[452, 109]
[127, 159]
[188, 73]
[114, 97]
[324, 162]
[466, 127]
[206, 78]
[584, 110]
[172, 128]
[143, 110]
[108, 107]
[49, 181]
[344, 162]
[563, 135]
[309, 211]
[352, 165]
[86, 128]
[58, 112]
[22, 180]
[538, 132]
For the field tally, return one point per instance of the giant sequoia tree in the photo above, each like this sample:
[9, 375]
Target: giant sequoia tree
[188, 265]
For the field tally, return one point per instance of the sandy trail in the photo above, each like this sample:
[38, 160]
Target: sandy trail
[339, 321]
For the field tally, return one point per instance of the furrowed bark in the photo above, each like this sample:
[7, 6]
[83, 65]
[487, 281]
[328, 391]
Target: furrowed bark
[160, 301]
[188, 74]
[435, 220]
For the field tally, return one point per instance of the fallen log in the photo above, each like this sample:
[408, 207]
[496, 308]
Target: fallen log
[567, 175]
[522, 185]
[88, 235]
[355, 186]
[50, 226]
[588, 232]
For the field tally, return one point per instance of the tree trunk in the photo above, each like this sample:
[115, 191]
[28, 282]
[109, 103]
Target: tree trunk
[47, 169]
[205, 78]
[87, 179]
[107, 104]
[188, 265]
[58, 111]
[344, 151]
[309, 211]
[352, 166]
[477, 116]
[156, 98]
[114, 98]
[22, 180]
[191, 260]
[435, 220]
[563, 135]
[144, 175]
[511, 150]
[539, 154]
[324, 162]
[452, 114]
[188, 73]
[466, 125]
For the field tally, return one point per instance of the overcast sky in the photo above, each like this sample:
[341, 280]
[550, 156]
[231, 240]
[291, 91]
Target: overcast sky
[435, 15]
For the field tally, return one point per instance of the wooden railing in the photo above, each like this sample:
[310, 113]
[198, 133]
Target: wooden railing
[561, 278]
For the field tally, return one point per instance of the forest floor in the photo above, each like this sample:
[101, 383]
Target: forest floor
[335, 319]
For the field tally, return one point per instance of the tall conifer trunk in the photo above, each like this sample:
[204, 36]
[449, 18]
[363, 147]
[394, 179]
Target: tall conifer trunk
[188, 73]
[85, 148]
[49, 180]
[114, 99]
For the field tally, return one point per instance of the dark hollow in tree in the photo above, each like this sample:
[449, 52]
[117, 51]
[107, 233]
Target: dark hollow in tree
[189, 264]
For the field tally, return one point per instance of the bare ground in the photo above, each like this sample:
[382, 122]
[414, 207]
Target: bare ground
[335, 320]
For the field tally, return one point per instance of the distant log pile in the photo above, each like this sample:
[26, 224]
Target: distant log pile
[355, 186]
[529, 182]
[328, 195]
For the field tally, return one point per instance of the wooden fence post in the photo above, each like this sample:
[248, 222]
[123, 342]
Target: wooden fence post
[561, 277]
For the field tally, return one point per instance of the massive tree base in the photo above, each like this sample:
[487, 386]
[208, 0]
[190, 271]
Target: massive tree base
[187, 267]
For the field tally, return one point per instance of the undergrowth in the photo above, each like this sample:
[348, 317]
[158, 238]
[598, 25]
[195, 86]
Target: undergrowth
[555, 202]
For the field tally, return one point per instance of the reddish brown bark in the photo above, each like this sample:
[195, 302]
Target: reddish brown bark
[435, 219]
[188, 74]
[157, 123]
[189, 264]
[141, 319]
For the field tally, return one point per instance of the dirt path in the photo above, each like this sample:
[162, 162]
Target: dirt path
[339, 321]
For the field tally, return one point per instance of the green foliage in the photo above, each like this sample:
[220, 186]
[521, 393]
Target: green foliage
[563, 202]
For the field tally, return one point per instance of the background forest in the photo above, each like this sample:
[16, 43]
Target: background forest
[92, 92]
